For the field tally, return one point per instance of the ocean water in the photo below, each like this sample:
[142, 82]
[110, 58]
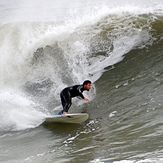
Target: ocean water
[48, 45]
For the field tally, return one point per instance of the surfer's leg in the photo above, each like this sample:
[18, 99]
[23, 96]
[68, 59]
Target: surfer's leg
[65, 100]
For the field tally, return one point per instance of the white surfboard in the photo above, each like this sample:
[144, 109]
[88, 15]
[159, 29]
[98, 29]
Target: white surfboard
[67, 118]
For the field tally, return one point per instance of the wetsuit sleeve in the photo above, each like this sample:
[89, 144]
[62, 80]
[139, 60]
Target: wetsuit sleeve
[81, 95]
[80, 91]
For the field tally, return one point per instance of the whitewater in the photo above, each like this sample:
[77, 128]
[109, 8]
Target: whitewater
[48, 45]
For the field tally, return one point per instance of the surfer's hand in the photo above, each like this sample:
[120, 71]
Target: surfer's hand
[86, 99]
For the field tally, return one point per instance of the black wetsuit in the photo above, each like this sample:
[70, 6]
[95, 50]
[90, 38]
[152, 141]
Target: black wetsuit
[68, 93]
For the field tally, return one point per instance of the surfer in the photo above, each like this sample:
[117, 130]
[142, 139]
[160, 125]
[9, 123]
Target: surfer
[73, 91]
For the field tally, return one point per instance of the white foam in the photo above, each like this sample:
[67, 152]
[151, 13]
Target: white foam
[150, 160]
[41, 10]
[18, 112]
[112, 114]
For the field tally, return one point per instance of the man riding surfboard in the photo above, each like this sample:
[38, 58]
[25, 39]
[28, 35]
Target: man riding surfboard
[73, 91]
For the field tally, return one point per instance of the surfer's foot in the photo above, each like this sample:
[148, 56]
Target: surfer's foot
[61, 112]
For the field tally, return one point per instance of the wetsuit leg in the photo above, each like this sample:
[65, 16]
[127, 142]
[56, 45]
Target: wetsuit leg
[65, 100]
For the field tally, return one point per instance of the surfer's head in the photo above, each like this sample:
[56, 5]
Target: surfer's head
[87, 85]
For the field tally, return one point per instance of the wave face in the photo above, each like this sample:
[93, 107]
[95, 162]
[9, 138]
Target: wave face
[116, 45]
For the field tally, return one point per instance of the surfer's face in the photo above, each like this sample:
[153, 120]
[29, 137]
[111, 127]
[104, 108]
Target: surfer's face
[87, 86]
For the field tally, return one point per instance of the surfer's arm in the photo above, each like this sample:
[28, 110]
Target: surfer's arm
[81, 96]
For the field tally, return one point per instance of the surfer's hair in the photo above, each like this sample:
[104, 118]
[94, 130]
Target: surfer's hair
[87, 82]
